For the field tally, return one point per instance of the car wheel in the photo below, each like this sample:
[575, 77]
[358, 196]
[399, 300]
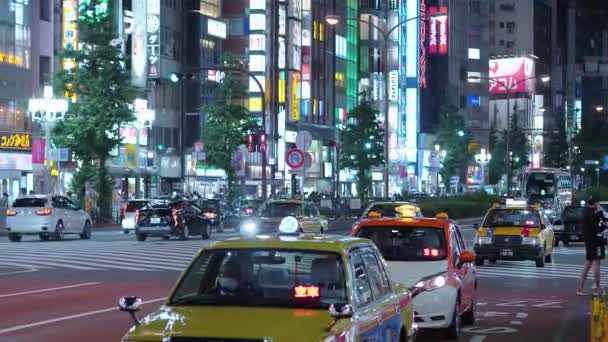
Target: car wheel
[453, 331]
[45, 237]
[166, 237]
[478, 262]
[140, 236]
[540, 261]
[206, 232]
[86, 231]
[59, 233]
[125, 231]
[468, 318]
[14, 237]
[184, 233]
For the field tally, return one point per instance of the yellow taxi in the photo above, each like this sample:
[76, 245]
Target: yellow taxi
[282, 287]
[514, 231]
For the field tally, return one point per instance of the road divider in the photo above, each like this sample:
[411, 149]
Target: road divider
[69, 317]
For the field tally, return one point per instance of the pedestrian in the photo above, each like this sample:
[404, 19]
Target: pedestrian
[4, 200]
[594, 244]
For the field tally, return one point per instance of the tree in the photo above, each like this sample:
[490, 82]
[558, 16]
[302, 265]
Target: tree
[556, 154]
[228, 122]
[519, 146]
[497, 166]
[102, 97]
[362, 144]
[452, 138]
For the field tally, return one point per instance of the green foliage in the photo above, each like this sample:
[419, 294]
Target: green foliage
[103, 93]
[456, 145]
[362, 144]
[227, 124]
[519, 146]
[497, 166]
[519, 150]
[556, 153]
[86, 173]
[465, 206]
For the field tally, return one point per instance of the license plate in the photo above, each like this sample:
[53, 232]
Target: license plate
[155, 220]
[574, 238]
[506, 252]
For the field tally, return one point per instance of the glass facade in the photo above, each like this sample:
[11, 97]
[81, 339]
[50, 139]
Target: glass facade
[352, 41]
[15, 33]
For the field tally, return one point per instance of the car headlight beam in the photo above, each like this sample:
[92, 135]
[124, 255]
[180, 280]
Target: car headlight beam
[249, 228]
[432, 283]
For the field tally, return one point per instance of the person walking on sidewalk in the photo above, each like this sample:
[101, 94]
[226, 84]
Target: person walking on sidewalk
[594, 243]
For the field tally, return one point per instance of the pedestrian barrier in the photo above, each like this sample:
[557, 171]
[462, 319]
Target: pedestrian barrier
[599, 318]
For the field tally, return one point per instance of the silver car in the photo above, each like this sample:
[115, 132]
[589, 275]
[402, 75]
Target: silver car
[127, 219]
[48, 216]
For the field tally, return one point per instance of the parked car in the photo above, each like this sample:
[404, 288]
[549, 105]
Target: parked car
[127, 215]
[570, 227]
[156, 220]
[271, 214]
[48, 216]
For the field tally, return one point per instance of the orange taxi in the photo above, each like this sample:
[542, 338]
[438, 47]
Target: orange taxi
[428, 255]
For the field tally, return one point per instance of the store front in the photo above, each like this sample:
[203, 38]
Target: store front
[16, 175]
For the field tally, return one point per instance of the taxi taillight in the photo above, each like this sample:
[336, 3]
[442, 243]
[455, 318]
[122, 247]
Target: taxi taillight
[44, 212]
[11, 212]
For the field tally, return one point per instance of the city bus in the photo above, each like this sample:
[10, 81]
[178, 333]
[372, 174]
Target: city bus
[550, 187]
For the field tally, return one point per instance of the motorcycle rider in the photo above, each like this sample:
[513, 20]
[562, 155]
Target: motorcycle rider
[183, 214]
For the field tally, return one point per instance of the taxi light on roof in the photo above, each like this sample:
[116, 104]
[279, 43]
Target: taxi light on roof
[310, 291]
[511, 201]
[406, 211]
[442, 216]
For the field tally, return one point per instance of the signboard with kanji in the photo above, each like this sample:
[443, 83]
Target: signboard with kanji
[15, 141]
[153, 38]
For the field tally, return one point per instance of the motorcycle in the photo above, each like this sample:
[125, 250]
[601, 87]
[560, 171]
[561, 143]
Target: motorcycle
[180, 224]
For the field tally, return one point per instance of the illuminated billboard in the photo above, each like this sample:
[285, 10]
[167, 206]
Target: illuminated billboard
[70, 30]
[511, 74]
[438, 30]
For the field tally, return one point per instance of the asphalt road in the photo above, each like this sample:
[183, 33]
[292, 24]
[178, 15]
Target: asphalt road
[68, 290]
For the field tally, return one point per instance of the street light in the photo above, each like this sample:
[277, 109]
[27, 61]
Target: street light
[544, 78]
[461, 133]
[599, 108]
[483, 159]
[333, 20]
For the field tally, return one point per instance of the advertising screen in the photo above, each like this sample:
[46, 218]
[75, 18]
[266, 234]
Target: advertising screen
[511, 74]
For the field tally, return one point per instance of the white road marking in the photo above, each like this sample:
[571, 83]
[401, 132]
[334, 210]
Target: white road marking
[30, 270]
[478, 338]
[65, 318]
[49, 289]
[521, 315]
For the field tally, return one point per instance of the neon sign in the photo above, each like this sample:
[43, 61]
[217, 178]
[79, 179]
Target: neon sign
[438, 30]
[10, 59]
[70, 30]
[422, 80]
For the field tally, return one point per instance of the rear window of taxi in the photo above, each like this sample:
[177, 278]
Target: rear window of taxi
[407, 243]
[512, 218]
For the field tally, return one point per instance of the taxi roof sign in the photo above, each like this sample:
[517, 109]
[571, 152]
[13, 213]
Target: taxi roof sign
[511, 201]
[406, 210]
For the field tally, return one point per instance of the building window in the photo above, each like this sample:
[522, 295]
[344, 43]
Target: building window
[475, 7]
[168, 43]
[474, 53]
[511, 27]
[45, 70]
[510, 44]
[502, 42]
[502, 24]
[171, 4]
[45, 10]
[507, 7]
[210, 8]
[236, 26]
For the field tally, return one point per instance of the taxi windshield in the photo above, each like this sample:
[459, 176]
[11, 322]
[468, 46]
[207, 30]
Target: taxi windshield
[263, 277]
[280, 210]
[407, 243]
[512, 218]
[395, 210]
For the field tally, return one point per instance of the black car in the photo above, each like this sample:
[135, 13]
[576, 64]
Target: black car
[219, 213]
[156, 220]
[569, 227]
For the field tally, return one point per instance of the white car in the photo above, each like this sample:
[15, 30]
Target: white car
[48, 216]
[127, 215]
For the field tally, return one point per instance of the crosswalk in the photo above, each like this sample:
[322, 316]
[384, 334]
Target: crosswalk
[101, 256]
[528, 270]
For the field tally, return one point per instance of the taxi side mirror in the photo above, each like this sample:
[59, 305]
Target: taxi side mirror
[130, 304]
[467, 257]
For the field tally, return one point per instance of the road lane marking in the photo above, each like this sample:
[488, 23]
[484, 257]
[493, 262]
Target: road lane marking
[65, 318]
[49, 289]
[29, 270]
[521, 315]
[516, 323]
[478, 338]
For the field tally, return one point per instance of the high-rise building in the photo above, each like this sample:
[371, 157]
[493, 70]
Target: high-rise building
[26, 55]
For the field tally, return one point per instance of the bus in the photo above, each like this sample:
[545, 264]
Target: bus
[550, 187]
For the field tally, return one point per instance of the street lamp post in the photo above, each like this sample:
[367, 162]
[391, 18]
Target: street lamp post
[483, 159]
[509, 89]
[334, 20]
[175, 77]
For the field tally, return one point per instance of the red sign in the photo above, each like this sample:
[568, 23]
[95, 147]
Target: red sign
[511, 74]
[295, 158]
[38, 150]
[302, 291]
[438, 30]
[422, 79]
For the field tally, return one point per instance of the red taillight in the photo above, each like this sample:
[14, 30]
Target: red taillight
[44, 212]
[11, 212]
[248, 211]
[137, 216]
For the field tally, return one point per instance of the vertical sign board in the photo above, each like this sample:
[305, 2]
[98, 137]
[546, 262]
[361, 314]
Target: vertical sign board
[153, 38]
[393, 85]
[422, 37]
[138, 44]
[443, 30]
[70, 30]
[295, 100]
[438, 30]
[433, 43]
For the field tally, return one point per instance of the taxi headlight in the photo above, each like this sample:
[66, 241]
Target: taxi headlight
[432, 283]
[483, 240]
[532, 241]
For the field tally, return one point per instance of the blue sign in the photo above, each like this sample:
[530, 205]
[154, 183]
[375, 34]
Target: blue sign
[473, 100]
[605, 163]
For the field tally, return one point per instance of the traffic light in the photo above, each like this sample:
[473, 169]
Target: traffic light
[160, 147]
[250, 143]
[262, 142]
